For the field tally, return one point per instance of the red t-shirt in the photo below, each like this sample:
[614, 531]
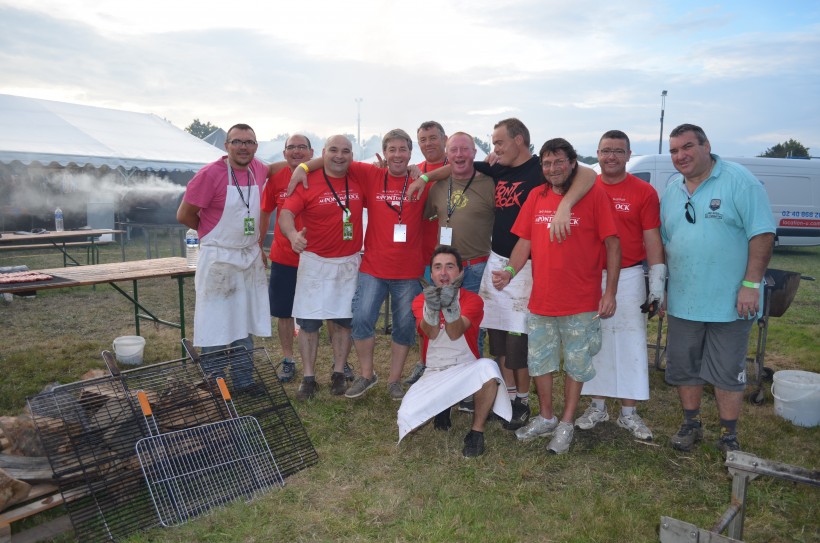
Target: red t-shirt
[383, 257]
[566, 277]
[472, 307]
[320, 213]
[429, 228]
[273, 198]
[637, 208]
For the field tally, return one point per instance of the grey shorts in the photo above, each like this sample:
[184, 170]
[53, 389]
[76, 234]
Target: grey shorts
[708, 352]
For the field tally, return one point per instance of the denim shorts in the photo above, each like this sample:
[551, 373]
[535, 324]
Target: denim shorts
[367, 302]
[580, 337]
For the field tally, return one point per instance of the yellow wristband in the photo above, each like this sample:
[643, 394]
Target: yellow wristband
[511, 270]
[424, 178]
[749, 284]
[304, 167]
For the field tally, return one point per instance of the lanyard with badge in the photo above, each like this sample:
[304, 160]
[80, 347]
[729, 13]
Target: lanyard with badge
[446, 233]
[249, 226]
[347, 226]
[399, 230]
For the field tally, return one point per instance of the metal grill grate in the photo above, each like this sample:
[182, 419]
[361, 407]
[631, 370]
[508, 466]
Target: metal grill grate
[89, 430]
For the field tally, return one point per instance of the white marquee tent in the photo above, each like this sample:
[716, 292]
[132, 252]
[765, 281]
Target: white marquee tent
[50, 132]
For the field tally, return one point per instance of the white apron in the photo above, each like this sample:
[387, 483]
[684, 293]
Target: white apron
[231, 286]
[506, 309]
[325, 286]
[452, 374]
[621, 366]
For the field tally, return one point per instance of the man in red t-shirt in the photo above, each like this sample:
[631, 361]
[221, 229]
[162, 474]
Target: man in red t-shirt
[621, 368]
[448, 318]
[566, 307]
[283, 259]
[391, 262]
[329, 243]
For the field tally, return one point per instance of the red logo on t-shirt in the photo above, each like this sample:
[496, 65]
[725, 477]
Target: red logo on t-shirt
[507, 194]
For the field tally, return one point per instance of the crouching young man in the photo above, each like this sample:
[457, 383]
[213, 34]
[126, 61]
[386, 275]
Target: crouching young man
[448, 318]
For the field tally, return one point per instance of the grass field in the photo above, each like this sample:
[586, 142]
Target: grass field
[609, 488]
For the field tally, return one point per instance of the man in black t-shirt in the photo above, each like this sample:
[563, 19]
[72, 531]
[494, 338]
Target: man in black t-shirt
[516, 173]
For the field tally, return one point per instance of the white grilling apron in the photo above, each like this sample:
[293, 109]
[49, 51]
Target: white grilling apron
[231, 286]
[325, 286]
[621, 366]
[506, 309]
[452, 374]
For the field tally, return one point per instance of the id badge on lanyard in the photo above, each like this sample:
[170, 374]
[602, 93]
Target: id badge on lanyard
[445, 236]
[250, 226]
[347, 226]
[400, 233]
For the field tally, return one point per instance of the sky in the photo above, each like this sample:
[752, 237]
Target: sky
[748, 72]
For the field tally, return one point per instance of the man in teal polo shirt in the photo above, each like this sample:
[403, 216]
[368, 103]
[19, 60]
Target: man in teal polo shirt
[718, 233]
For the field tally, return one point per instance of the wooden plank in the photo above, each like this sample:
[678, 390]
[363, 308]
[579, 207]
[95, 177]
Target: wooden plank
[26, 468]
[57, 237]
[25, 511]
[30, 246]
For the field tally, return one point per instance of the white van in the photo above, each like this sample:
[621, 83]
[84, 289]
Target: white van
[793, 186]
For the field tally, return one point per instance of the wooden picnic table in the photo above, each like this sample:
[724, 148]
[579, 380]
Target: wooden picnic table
[59, 240]
[134, 270]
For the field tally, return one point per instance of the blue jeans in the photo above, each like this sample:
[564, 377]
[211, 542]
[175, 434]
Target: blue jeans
[241, 370]
[472, 282]
[367, 302]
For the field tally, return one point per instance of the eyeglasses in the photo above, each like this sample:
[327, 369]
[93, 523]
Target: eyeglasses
[620, 153]
[560, 163]
[245, 143]
[301, 147]
[690, 217]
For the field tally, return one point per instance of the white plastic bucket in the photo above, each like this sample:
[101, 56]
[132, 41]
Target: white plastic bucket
[797, 396]
[129, 349]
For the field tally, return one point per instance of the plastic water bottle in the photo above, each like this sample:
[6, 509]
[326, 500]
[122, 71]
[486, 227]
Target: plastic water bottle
[192, 247]
[58, 220]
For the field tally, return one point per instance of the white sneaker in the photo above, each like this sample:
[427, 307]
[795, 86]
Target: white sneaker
[591, 417]
[537, 427]
[562, 439]
[636, 425]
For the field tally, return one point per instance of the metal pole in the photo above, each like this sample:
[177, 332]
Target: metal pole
[663, 107]
[359, 121]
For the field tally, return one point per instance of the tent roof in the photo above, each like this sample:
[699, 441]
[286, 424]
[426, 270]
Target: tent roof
[45, 131]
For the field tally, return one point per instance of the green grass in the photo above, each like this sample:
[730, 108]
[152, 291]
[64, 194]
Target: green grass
[609, 488]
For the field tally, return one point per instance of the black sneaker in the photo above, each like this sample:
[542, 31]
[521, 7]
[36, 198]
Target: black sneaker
[337, 384]
[686, 437]
[520, 415]
[349, 376]
[415, 375]
[728, 443]
[307, 390]
[473, 444]
[442, 420]
[466, 405]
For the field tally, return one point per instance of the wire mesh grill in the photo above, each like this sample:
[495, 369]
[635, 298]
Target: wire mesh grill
[191, 471]
[89, 431]
[258, 393]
